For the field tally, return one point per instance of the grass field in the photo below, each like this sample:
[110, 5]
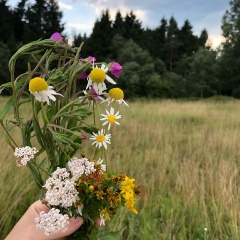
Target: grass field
[185, 155]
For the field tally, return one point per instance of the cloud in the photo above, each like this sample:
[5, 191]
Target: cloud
[64, 6]
[98, 6]
[81, 26]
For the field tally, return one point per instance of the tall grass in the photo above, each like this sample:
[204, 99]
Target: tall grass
[185, 155]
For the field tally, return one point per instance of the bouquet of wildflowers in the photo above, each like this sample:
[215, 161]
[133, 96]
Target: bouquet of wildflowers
[62, 116]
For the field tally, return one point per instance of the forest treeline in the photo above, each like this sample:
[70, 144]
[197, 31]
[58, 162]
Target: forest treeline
[169, 61]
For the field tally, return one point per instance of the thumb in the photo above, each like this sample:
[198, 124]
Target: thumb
[74, 224]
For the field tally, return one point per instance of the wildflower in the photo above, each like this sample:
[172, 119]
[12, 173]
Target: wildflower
[80, 166]
[91, 188]
[110, 117]
[115, 94]
[26, 154]
[102, 166]
[115, 69]
[53, 221]
[96, 79]
[41, 91]
[56, 37]
[84, 137]
[61, 189]
[101, 139]
[89, 59]
[103, 216]
[92, 95]
[127, 192]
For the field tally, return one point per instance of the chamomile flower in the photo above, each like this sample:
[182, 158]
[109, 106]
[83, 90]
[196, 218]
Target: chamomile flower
[101, 139]
[115, 95]
[103, 216]
[96, 79]
[110, 117]
[101, 166]
[41, 91]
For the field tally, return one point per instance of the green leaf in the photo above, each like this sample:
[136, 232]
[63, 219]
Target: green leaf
[21, 81]
[90, 129]
[6, 108]
[7, 85]
[38, 133]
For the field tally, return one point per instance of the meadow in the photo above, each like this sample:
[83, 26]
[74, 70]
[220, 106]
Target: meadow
[184, 154]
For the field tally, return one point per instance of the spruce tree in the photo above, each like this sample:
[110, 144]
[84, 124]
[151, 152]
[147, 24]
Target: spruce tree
[43, 18]
[6, 21]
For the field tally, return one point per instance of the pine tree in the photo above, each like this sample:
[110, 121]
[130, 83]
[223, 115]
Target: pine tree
[6, 21]
[19, 20]
[132, 28]
[229, 60]
[172, 43]
[187, 41]
[203, 38]
[101, 38]
[43, 19]
[118, 25]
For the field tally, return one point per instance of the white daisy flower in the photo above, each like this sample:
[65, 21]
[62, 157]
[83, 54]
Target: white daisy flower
[103, 216]
[101, 139]
[96, 79]
[110, 117]
[102, 166]
[115, 95]
[41, 91]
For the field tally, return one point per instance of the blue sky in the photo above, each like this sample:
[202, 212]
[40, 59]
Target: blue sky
[80, 15]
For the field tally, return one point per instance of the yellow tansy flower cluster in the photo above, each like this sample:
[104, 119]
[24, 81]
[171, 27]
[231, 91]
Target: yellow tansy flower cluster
[127, 191]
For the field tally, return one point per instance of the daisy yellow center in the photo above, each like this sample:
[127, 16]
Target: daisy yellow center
[97, 75]
[100, 138]
[116, 93]
[112, 119]
[38, 84]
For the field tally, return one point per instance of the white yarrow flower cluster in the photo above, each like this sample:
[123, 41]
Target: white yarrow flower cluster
[53, 221]
[80, 166]
[25, 153]
[61, 189]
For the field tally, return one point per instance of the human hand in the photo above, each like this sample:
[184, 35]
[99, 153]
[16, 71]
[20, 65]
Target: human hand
[25, 229]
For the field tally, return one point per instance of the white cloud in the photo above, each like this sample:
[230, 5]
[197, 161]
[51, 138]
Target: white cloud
[81, 26]
[65, 6]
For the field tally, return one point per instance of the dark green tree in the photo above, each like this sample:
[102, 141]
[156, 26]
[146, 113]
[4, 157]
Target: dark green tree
[19, 20]
[132, 28]
[202, 81]
[6, 21]
[139, 78]
[172, 44]
[43, 18]
[99, 41]
[203, 38]
[188, 42]
[118, 25]
[229, 60]
[4, 58]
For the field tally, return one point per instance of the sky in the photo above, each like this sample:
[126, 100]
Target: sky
[79, 15]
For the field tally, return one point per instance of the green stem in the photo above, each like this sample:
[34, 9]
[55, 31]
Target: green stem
[44, 113]
[8, 135]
